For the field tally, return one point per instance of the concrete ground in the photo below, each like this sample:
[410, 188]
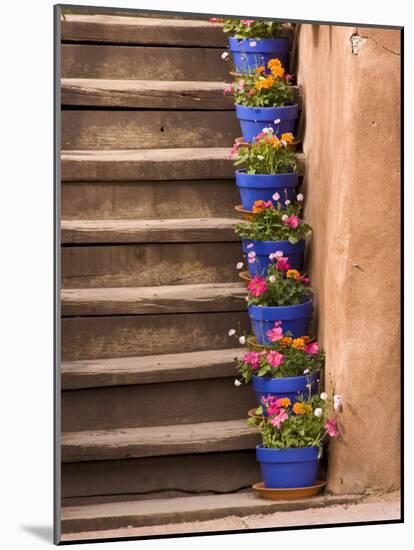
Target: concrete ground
[373, 508]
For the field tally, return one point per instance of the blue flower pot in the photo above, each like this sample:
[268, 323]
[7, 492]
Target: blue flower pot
[294, 318]
[247, 57]
[294, 252]
[255, 187]
[254, 119]
[288, 468]
[292, 387]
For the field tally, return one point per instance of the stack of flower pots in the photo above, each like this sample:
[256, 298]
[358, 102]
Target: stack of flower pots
[283, 361]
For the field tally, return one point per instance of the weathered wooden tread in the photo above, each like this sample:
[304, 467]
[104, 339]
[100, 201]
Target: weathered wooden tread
[160, 441]
[142, 30]
[118, 515]
[150, 369]
[148, 94]
[149, 231]
[153, 299]
[150, 164]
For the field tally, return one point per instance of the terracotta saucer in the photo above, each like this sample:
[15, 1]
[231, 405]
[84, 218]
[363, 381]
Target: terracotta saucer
[289, 494]
[251, 414]
[246, 214]
[245, 275]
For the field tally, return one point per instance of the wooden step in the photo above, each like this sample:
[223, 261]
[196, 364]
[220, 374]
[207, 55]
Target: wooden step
[153, 264]
[82, 129]
[158, 477]
[143, 62]
[118, 515]
[133, 335]
[141, 405]
[83, 200]
[142, 30]
[206, 437]
[145, 94]
[149, 231]
[153, 300]
[150, 164]
[154, 369]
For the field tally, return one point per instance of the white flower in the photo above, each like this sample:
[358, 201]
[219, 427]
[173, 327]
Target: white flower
[246, 298]
[232, 332]
[287, 202]
[300, 197]
[276, 197]
[252, 44]
[279, 254]
[324, 396]
[318, 412]
[284, 217]
[306, 371]
[260, 157]
[284, 143]
[251, 260]
[242, 340]
[277, 121]
[224, 55]
[251, 254]
[309, 386]
[250, 245]
[272, 279]
[268, 130]
[272, 256]
[239, 265]
[237, 383]
[337, 402]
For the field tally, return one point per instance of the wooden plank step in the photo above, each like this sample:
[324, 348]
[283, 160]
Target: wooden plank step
[143, 62]
[96, 129]
[144, 94]
[150, 164]
[149, 231]
[133, 335]
[205, 437]
[118, 515]
[153, 300]
[119, 371]
[148, 94]
[142, 30]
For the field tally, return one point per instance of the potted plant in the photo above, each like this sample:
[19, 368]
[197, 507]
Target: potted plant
[283, 295]
[292, 438]
[269, 168]
[273, 230]
[253, 43]
[286, 367]
[264, 100]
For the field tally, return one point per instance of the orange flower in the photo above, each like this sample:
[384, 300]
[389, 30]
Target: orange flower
[285, 341]
[298, 343]
[260, 69]
[265, 83]
[293, 274]
[302, 408]
[276, 67]
[287, 136]
[258, 206]
[306, 339]
[284, 402]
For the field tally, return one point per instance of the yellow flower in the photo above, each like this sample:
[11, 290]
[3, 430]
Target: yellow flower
[293, 274]
[298, 343]
[284, 402]
[287, 136]
[302, 408]
[260, 69]
[285, 341]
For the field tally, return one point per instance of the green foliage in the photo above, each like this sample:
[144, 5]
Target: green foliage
[249, 28]
[260, 90]
[266, 155]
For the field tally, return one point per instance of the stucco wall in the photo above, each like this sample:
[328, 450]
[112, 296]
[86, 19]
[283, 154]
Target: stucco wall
[351, 86]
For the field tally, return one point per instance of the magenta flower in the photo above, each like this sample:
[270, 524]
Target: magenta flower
[312, 348]
[279, 418]
[331, 427]
[305, 280]
[257, 286]
[282, 264]
[276, 333]
[293, 221]
[275, 358]
[252, 358]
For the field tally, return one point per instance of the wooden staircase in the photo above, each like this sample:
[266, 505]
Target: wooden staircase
[149, 286]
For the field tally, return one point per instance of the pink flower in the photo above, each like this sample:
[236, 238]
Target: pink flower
[276, 333]
[311, 348]
[247, 22]
[257, 286]
[279, 418]
[228, 89]
[282, 264]
[293, 221]
[275, 358]
[252, 358]
[331, 428]
[213, 20]
[241, 85]
[304, 280]
[288, 77]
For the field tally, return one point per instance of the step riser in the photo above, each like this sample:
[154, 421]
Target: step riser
[155, 404]
[139, 200]
[143, 63]
[127, 336]
[149, 264]
[217, 472]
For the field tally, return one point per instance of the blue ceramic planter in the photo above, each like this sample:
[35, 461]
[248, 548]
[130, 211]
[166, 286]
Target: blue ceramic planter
[262, 249]
[255, 187]
[294, 318]
[292, 387]
[249, 53]
[254, 119]
[288, 468]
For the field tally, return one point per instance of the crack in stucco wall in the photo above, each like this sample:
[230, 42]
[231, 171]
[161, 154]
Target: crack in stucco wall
[357, 42]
